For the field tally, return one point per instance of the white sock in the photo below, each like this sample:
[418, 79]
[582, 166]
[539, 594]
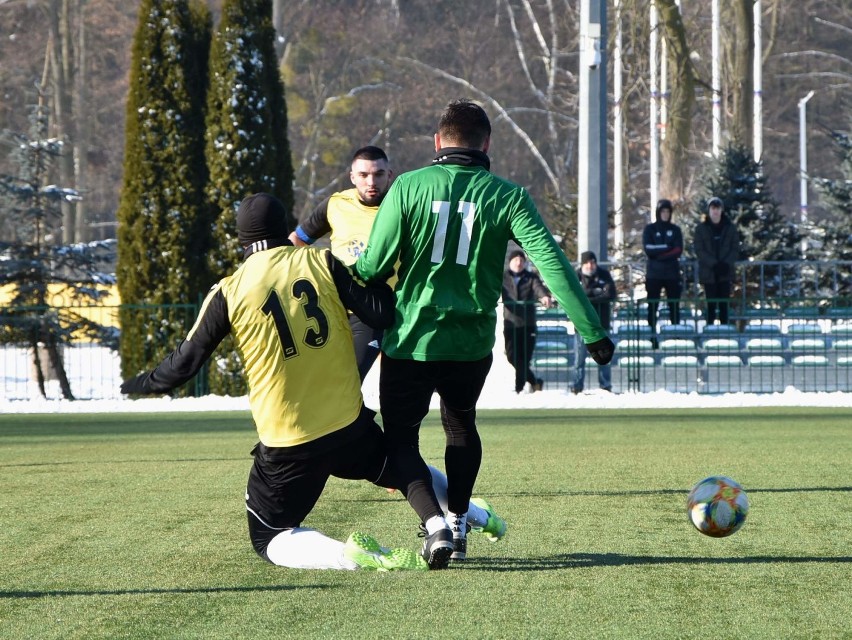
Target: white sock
[307, 549]
[476, 516]
[435, 523]
[452, 518]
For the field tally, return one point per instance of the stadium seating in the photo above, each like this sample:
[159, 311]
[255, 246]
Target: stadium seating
[766, 361]
[684, 330]
[717, 361]
[721, 346]
[807, 345]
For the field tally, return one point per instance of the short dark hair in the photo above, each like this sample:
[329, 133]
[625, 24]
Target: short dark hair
[370, 153]
[517, 253]
[465, 124]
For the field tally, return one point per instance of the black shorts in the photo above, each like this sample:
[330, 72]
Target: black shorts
[283, 490]
[406, 388]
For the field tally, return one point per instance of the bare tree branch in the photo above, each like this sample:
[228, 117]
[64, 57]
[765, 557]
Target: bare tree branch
[501, 111]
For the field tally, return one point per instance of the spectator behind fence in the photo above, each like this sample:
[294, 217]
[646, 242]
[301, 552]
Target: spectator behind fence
[717, 247]
[521, 290]
[600, 289]
[663, 244]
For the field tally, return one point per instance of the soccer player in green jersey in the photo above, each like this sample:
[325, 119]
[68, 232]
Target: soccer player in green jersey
[449, 225]
[286, 309]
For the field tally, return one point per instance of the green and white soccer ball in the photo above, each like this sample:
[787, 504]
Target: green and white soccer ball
[717, 506]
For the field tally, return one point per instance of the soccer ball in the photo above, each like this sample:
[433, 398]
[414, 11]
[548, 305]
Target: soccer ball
[717, 506]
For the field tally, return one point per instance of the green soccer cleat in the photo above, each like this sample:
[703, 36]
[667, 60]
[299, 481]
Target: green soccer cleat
[367, 553]
[495, 528]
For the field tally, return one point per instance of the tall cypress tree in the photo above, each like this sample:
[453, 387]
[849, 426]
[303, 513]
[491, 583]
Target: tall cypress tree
[247, 147]
[163, 216]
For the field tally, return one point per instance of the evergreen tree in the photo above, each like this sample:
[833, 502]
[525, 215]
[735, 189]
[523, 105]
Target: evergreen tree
[834, 234]
[247, 147]
[765, 234]
[739, 181]
[163, 217]
[39, 269]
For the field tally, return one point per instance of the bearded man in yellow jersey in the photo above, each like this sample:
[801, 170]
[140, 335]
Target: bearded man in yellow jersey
[348, 216]
[287, 311]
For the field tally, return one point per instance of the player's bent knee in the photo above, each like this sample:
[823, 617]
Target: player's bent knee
[260, 535]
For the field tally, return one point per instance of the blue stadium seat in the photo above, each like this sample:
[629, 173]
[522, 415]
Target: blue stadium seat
[719, 331]
[722, 360]
[676, 331]
[812, 360]
[808, 345]
[677, 346]
[721, 346]
[633, 331]
[766, 360]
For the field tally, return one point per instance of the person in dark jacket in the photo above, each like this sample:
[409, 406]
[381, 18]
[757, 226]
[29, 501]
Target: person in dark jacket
[717, 246]
[600, 289]
[521, 290]
[663, 244]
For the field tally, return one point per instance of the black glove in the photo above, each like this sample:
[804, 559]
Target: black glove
[137, 385]
[601, 351]
[721, 269]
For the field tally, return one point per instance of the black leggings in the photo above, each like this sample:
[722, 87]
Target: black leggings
[717, 294]
[654, 288]
[405, 390]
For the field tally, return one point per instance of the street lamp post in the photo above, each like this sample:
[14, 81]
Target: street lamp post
[803, 166]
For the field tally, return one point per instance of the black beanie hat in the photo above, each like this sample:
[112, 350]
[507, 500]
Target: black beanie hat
[261, 216]
[588, 255]
[664, 204]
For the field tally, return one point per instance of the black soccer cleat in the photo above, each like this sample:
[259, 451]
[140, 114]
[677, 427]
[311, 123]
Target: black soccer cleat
[459, 550]
[438, 548]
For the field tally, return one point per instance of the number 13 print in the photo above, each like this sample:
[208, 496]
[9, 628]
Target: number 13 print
[306, 293]
[467, 211]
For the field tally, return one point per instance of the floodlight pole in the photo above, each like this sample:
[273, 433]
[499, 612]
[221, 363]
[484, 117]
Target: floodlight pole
[618, 137]
[654, 151]
[757, 122]
[716, 81]
[592, 164]
[803, 167]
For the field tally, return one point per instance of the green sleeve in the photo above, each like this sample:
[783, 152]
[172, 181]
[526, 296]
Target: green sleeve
[530, 232]
[380, 255]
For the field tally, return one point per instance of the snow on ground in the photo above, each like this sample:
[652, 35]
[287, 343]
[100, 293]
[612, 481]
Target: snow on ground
[97, 376]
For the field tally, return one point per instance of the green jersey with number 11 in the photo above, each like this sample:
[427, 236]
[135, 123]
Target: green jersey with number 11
[449, 225]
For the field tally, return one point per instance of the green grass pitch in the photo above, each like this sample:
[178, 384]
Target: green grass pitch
[133, 526]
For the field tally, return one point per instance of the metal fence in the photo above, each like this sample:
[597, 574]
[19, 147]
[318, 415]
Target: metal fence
[93, 367]
[764, 349]
[791, 326]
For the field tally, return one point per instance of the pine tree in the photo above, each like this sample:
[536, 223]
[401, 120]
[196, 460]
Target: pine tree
[739, 181]
[39, 269]
[163, 216]
[834, 234]
[247, 147]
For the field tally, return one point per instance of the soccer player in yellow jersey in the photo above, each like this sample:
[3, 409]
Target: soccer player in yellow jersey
[287, 311]
[348, 216]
